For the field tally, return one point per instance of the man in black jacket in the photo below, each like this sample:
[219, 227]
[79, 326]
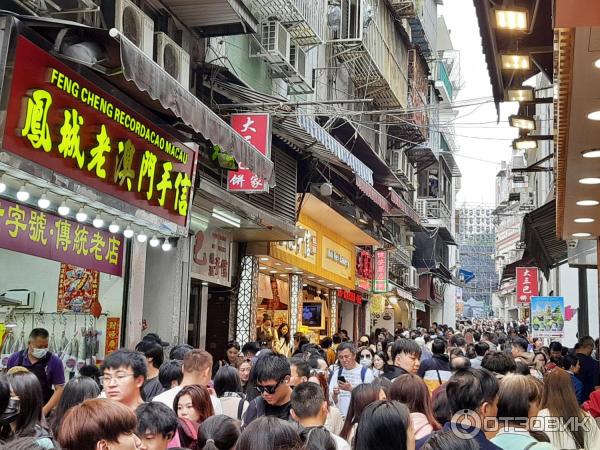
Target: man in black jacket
[406, 355]
[439, 360]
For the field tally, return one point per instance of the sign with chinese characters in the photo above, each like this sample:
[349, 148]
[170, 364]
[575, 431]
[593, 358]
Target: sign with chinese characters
[304, 248]
[37, 233]
[256, 129]
[364, 270]
[547, 317]
[68, 124]
[212, 256]
[113, 331]
[336, 258]
[527, 284]
[350, 296]
[380, 271]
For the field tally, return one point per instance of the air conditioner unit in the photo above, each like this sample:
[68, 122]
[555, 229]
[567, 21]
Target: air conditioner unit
[135, 25]
[414, 278]
[275, 42]
[298, 62]
[406, 279]
[18, 298]
[171, 57]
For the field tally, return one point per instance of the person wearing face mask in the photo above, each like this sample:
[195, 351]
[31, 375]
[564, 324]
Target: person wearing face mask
[46, 366]
[365, 357]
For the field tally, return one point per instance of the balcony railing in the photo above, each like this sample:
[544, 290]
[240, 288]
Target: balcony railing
[434, 212]
[444, 77]
[404, 9]
[373, 52]
[305, 20]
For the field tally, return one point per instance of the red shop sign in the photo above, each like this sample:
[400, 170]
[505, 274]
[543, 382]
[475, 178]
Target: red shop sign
[380, 275]
[66, 123]
[527, 284]
[350, 296]
[256, 129]
[26, 230]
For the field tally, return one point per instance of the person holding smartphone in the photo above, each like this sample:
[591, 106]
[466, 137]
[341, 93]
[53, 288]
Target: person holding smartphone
[347, 376]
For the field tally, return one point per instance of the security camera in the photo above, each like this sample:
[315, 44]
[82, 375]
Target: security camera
[572, 243]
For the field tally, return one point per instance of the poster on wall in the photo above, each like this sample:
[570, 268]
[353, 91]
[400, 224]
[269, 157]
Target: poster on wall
[547, 317]
[77, 289]
[212, 256]
[527, 284]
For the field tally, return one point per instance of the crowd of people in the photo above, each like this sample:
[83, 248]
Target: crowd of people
[481, 385]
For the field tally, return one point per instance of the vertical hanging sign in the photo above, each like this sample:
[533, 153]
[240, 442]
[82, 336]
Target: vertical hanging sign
[527, 284]
[256, 129]
[380, 278]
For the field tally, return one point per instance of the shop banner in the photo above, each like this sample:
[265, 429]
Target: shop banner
[77, 289]
[37, 233]
[212, 256]
[380, 272]
[304, 248]
[527, 284]
[256, 129]
[113, 330]
[547, 317]
[350, 296]
[65, 122]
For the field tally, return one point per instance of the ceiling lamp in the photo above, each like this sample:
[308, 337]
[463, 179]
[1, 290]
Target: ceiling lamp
[591, 153]
[584, 220]
[515, 62]
[128, 232]
[81, 215]
[166, 245]
[590, 180]
[520, 94]
[98, 222]
[524, 123]
[594, 115]
[43, 202]
[114, 227]
[23, 195]
[63, 209]
[581, 235]
[154, 242]
[142, 237]
[511, 19]
[588, 203]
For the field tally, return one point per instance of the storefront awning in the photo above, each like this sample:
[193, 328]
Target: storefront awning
[510, 270]
[401, 206]
[452, 164]
[539, 234]
[214, 17]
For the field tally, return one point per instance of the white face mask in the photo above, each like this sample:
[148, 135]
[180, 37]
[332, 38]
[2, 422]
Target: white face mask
[39, 353]
[365, 362]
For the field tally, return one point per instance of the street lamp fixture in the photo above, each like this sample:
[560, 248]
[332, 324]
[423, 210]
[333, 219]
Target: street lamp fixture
[530, 142]
[515, 62]
[520, 94]
[511, 19]
[524, 123]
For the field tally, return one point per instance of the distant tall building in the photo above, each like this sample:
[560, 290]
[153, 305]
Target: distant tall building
[476, 247]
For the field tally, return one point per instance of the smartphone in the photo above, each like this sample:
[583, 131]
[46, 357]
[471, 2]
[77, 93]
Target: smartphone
[342, 379]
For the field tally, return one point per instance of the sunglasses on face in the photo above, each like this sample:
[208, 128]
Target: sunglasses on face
[268, 389]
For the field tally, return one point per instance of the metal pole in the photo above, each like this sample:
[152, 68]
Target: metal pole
[285, 103]
[582, 313]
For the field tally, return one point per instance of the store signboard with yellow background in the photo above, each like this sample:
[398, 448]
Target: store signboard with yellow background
[320, 252]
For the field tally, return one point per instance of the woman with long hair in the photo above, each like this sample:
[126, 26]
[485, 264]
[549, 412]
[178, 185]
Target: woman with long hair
[75, 392]
[244, 368]
[228, 388]
[193, 403]
[539, 365]
[412, 391]
[25, 389]
[385, 425]
[362, 396]
[559, 401]
[99, 424]
[379, 363]
[218, 433]
[232, 356]
[518, 402]
[282, 345]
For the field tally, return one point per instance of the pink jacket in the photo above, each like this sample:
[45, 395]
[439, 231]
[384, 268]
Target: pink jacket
[421, 425]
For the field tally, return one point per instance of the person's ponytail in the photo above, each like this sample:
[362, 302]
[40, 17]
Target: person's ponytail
[218, 433]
